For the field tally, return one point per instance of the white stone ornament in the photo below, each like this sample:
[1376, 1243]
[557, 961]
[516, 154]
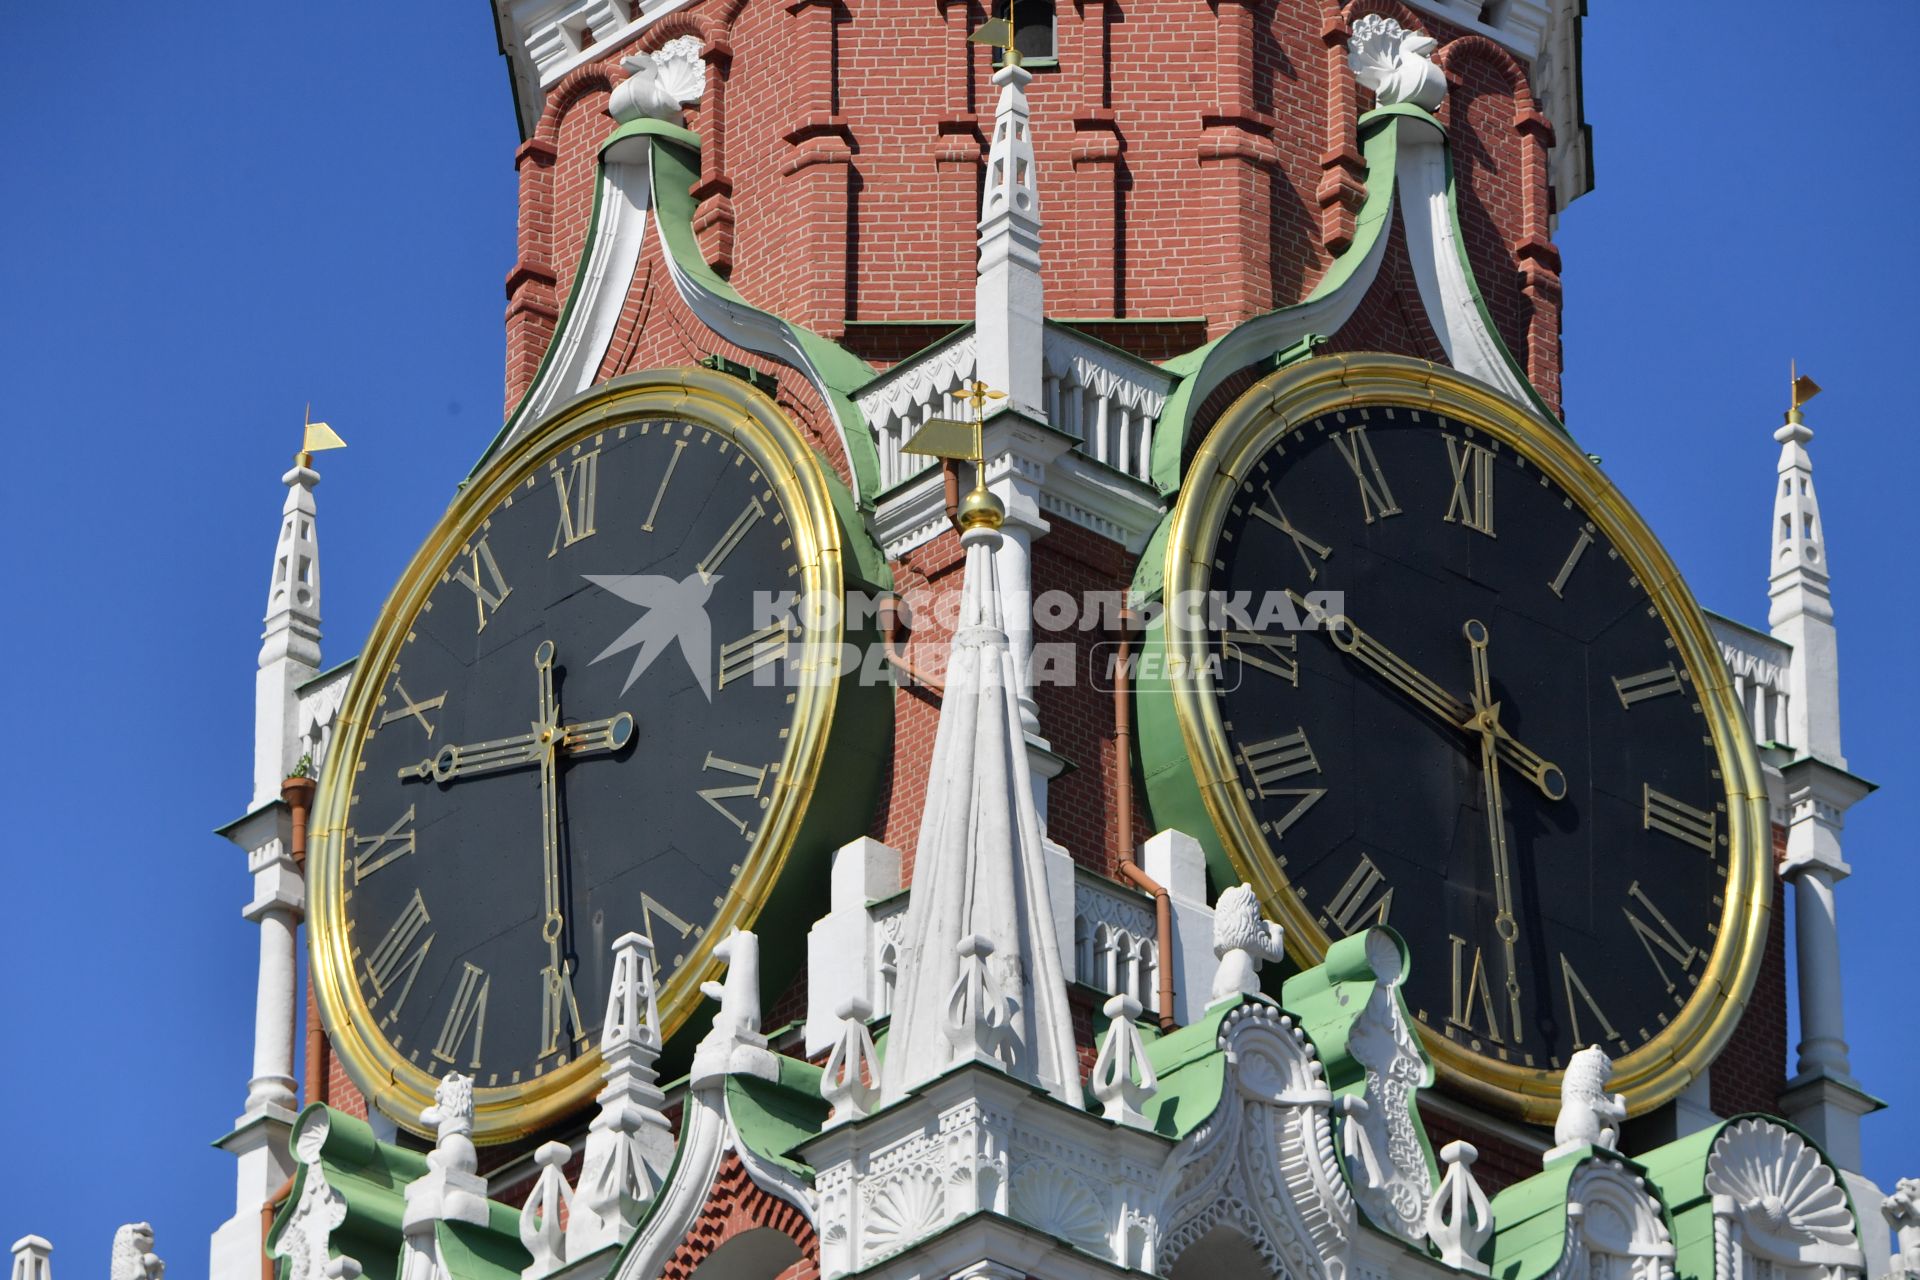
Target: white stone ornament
[1241, 941]
[133, 1255]
[1616, 1229]
[850, 1080]
[343, 1268]
[1123, 1079]
[976, 1009]
[32, 1258]
[1902, 1212]
[541, 1230]
[1589, 1115]
[1395, 63]
[1380, 1136]
[660, 84]
[1782, 1197]
[1459, 1218]
[629, 1144]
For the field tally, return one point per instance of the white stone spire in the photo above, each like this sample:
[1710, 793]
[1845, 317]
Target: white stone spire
[1009, 307]
[978, 875]
[1822, 1098]
[290, 644]
[1801, 612]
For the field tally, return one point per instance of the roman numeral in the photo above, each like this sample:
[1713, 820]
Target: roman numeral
[1360, 899]
[394, 842]
[1269, 653]
[714, 795]
[469, 1014]
[1304, 798]
[1472, 503]
[1572, 983]
[1472, 994]
[1661, 812]
[558, 1012]
[481, 575]
[1301, 542]
[1375, 497]
[1580, 544]
[577, 489]
[1664, 938]
[650, 907]
[1648, 684]
[742, 657]
[742, 524]
[1278, 759]
[397, 954]
[415, 709]
[666, 477]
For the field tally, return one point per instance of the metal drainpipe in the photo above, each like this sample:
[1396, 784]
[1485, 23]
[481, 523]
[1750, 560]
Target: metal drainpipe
[298, 793]
[1130, 870]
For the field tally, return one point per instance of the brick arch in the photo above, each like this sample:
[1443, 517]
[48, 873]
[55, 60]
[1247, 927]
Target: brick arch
[735, 1204]
[575, 85]
[1480, 49]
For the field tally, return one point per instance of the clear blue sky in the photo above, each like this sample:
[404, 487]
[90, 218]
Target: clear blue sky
[211, 218]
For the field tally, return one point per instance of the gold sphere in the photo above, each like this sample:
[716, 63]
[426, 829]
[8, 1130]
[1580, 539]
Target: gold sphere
[980, 510]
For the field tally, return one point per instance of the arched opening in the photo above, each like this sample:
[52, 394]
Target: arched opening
[759, 1254]
[1223, 1251]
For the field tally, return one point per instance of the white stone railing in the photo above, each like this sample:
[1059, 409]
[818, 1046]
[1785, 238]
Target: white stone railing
[1106, 401]
[1759, 665]
[1114, 946]
[319, 707]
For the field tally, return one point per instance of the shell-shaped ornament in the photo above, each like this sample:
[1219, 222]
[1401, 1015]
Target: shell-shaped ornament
[1787, 1195]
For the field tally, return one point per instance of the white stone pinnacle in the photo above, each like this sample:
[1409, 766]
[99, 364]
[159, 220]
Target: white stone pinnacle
[979, 874]
[1009, 304]
[1801, 608]
[32, 1258]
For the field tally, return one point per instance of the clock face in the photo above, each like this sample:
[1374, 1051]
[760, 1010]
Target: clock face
[579, 725]
[1487, 733]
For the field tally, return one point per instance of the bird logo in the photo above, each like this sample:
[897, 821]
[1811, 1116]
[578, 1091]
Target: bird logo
[675, 610]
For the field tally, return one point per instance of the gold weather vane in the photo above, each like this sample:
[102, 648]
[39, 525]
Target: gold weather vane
[963, 441]
[315, 437]
[999, 31]
[1804, 389]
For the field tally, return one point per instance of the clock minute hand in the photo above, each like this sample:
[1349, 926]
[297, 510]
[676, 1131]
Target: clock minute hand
[1486, 719]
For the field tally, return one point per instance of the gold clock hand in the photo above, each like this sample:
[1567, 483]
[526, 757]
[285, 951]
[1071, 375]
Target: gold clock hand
[1351, 640]
[464, 760]
[610, 734]
[1486, 718]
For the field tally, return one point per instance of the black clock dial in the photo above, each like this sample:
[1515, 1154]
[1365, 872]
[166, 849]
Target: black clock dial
[578, 738]
[1491, 741]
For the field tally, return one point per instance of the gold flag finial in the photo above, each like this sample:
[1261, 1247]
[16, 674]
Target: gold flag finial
[962, 441]
[315, 437]
[999, 31]
[1801, 390]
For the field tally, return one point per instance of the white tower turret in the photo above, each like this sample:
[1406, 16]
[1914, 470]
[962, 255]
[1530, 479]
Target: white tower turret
[1822, 1098]
[289, 657]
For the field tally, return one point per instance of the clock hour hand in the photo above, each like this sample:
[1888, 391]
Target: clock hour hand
[610, 734]
[1429, 693]
[465, 760]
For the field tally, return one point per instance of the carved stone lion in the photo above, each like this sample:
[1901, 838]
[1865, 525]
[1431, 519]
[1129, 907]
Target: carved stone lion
[133, 1256]
[452, 1117]
[1902, 1212]
[1242, 938]
[1588, 1114]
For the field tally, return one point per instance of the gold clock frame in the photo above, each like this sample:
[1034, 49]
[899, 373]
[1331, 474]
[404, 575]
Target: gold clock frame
[714, 402]
[1274, 406]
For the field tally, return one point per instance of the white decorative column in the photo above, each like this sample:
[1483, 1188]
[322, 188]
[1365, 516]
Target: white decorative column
[289, 657]
[1822, 1098]
[32, 1258]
